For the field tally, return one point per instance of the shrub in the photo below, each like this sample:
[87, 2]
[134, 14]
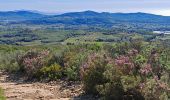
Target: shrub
[154, 90]
[52, 72]
[121, 49]
[101, 78]
[136, 44]
[129, 76]
[112, 87]
[57, 57]
[8, 62]
[92, 73]
[32, 62]
[125, 64]
[2, 97]
[130, 82]
[72, 62]
[71, 65]
[146, 70]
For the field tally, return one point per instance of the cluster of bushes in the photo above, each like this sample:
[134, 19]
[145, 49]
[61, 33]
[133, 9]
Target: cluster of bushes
[49, 63]
[131, 74]
[136, 70]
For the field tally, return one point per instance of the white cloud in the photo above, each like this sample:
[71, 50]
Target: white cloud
[161, 12]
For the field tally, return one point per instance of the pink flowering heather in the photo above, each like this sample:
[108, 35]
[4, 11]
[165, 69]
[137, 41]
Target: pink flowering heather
[142, 85]
[156, 78]
[33, 61]
[94, 59]
[133, 52]
[121, 60]
[163, 85]
[124, 63]
[90, 60]
[44, 53]
[146, 69]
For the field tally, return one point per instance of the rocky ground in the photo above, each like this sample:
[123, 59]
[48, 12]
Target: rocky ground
[58, 90]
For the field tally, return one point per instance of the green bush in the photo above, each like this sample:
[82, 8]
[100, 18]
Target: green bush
[100, 78]
[112, 88]
[72, 62]
[52, 72]
[2, 97]
[91, 73]
[109, 78]
[8, 62]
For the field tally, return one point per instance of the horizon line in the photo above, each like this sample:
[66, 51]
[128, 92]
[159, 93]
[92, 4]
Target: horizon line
[63, 12]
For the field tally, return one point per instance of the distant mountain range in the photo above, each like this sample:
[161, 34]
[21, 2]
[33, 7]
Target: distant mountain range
[86, 17]
[19, 15]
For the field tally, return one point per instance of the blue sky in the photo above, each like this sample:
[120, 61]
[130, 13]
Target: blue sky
[161, 7]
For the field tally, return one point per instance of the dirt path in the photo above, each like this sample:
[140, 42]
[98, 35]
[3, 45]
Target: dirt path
[19, 90]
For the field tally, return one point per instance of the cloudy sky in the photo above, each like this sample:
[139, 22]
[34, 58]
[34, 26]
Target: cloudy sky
[161, 7]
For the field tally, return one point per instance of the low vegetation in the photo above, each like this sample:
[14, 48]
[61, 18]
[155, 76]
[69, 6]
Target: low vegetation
[2, 97]
[114, 56]
[127, 70]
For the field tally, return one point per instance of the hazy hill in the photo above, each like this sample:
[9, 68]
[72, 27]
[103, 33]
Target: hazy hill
[19, 15]
[91, 17]
[86, 17]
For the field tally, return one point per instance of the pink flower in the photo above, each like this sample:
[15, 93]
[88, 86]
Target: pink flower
[142, 85]
[156, 78]
[146, 69]
[33, 60]
[133, 52]
[125, 64]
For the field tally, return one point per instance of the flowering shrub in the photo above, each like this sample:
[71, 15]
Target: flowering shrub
[147, 69]
[92, 72]
[153, 89]
[72, 62]
[120, 72]
[32, 61]
[125, 64]
[101, 76]
[52, 72]
[128, 76]
[133, 52]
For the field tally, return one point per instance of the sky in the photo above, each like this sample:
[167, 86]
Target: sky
[160, 7]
